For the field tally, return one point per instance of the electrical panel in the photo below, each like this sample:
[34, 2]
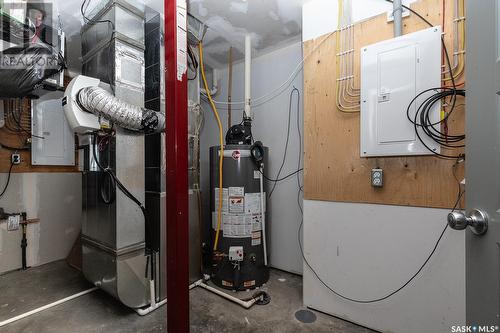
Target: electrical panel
[393, 73]
[53, 142]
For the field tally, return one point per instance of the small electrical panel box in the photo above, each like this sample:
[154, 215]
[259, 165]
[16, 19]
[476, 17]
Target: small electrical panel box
[236, 253]
[393, 73]
[377, 177]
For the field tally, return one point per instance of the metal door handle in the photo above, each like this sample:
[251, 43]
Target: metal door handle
[476, 219]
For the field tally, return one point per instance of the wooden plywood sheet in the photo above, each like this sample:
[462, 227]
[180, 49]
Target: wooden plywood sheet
[334, 170]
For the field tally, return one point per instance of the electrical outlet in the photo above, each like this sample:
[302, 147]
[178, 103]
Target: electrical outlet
[377, 177]
[15, 159]
[13, 222]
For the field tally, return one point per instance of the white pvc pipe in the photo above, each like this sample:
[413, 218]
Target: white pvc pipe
[263, 213]
[245, 304]
[154, 306]
[45, 307]
[248, 76]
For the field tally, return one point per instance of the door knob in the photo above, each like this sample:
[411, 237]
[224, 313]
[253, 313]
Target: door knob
[477, 221]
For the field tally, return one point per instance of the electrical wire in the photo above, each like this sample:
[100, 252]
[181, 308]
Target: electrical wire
[294, 90]
[283, 178]
[8, 180]
[128, 194]
[376, 300]
[425, 108]
[454, 92]
[282, 87]
[221, 143]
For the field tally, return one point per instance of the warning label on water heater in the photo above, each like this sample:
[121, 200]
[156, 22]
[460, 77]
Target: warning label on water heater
[225, 198]
[238, 225]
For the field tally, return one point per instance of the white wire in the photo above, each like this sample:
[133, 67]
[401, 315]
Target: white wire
[278, 91]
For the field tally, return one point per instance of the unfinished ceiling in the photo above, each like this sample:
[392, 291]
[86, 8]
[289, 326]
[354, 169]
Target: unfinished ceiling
[271, 23]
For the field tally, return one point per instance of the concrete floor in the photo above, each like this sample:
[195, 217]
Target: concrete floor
[98, 312]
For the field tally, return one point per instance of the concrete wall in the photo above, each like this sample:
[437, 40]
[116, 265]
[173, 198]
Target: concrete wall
[270, 126]
[366, 251]
[54, 198]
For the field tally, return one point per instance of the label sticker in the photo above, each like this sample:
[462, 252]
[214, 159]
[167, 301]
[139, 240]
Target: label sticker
[256, 238]
[248, 284]
[227, 283]
[236, 226]
[255, 221]
[236, 204]
[225, 202]
[236, 191]
[256, 174]
[252, 203]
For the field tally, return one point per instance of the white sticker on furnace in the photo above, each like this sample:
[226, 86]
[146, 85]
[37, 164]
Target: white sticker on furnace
[225, 201]
[252, 203]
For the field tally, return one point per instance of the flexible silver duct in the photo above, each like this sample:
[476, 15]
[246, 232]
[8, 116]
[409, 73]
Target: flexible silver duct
[103, 104]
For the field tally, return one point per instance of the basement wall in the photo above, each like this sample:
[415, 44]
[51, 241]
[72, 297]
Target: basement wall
[55, 199]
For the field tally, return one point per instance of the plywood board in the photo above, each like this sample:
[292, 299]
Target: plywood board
[334, 170]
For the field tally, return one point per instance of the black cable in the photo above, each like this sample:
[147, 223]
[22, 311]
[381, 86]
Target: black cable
[281, 179]
[421, 120]
[14, 149]
[437, 136]
[194, 62]
[123, 188]
[294, 90]
[8, 180]
[391, 293]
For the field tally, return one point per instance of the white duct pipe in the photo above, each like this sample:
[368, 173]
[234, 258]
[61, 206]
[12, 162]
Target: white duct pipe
[263, 213]
[45, 307]
[248, 77]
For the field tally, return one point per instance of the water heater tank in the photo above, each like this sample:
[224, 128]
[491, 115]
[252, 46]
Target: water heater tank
[241, 263]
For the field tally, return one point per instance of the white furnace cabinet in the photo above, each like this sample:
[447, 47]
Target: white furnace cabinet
[393, 72]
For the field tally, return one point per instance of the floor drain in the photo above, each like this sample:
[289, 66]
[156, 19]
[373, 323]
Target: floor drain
[305, 316]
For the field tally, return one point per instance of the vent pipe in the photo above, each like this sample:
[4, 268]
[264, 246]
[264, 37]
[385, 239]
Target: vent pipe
[248, 77]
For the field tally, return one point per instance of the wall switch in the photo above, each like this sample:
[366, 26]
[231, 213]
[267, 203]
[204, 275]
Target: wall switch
[13, 222]
[15, 159]
[377, 177]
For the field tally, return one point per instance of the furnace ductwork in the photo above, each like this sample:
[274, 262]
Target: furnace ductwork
[103, 104]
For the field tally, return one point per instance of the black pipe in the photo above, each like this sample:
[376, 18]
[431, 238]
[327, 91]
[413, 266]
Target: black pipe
[24, 242]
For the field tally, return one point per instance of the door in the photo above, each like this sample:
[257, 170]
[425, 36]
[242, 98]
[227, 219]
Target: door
[483, 163]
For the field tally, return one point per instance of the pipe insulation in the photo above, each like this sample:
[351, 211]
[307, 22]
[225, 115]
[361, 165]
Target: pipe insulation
[103, 104]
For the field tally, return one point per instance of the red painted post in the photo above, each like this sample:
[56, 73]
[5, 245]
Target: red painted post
[177, 170]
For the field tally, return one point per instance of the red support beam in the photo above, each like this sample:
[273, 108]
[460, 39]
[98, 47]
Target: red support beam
[176, 112]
